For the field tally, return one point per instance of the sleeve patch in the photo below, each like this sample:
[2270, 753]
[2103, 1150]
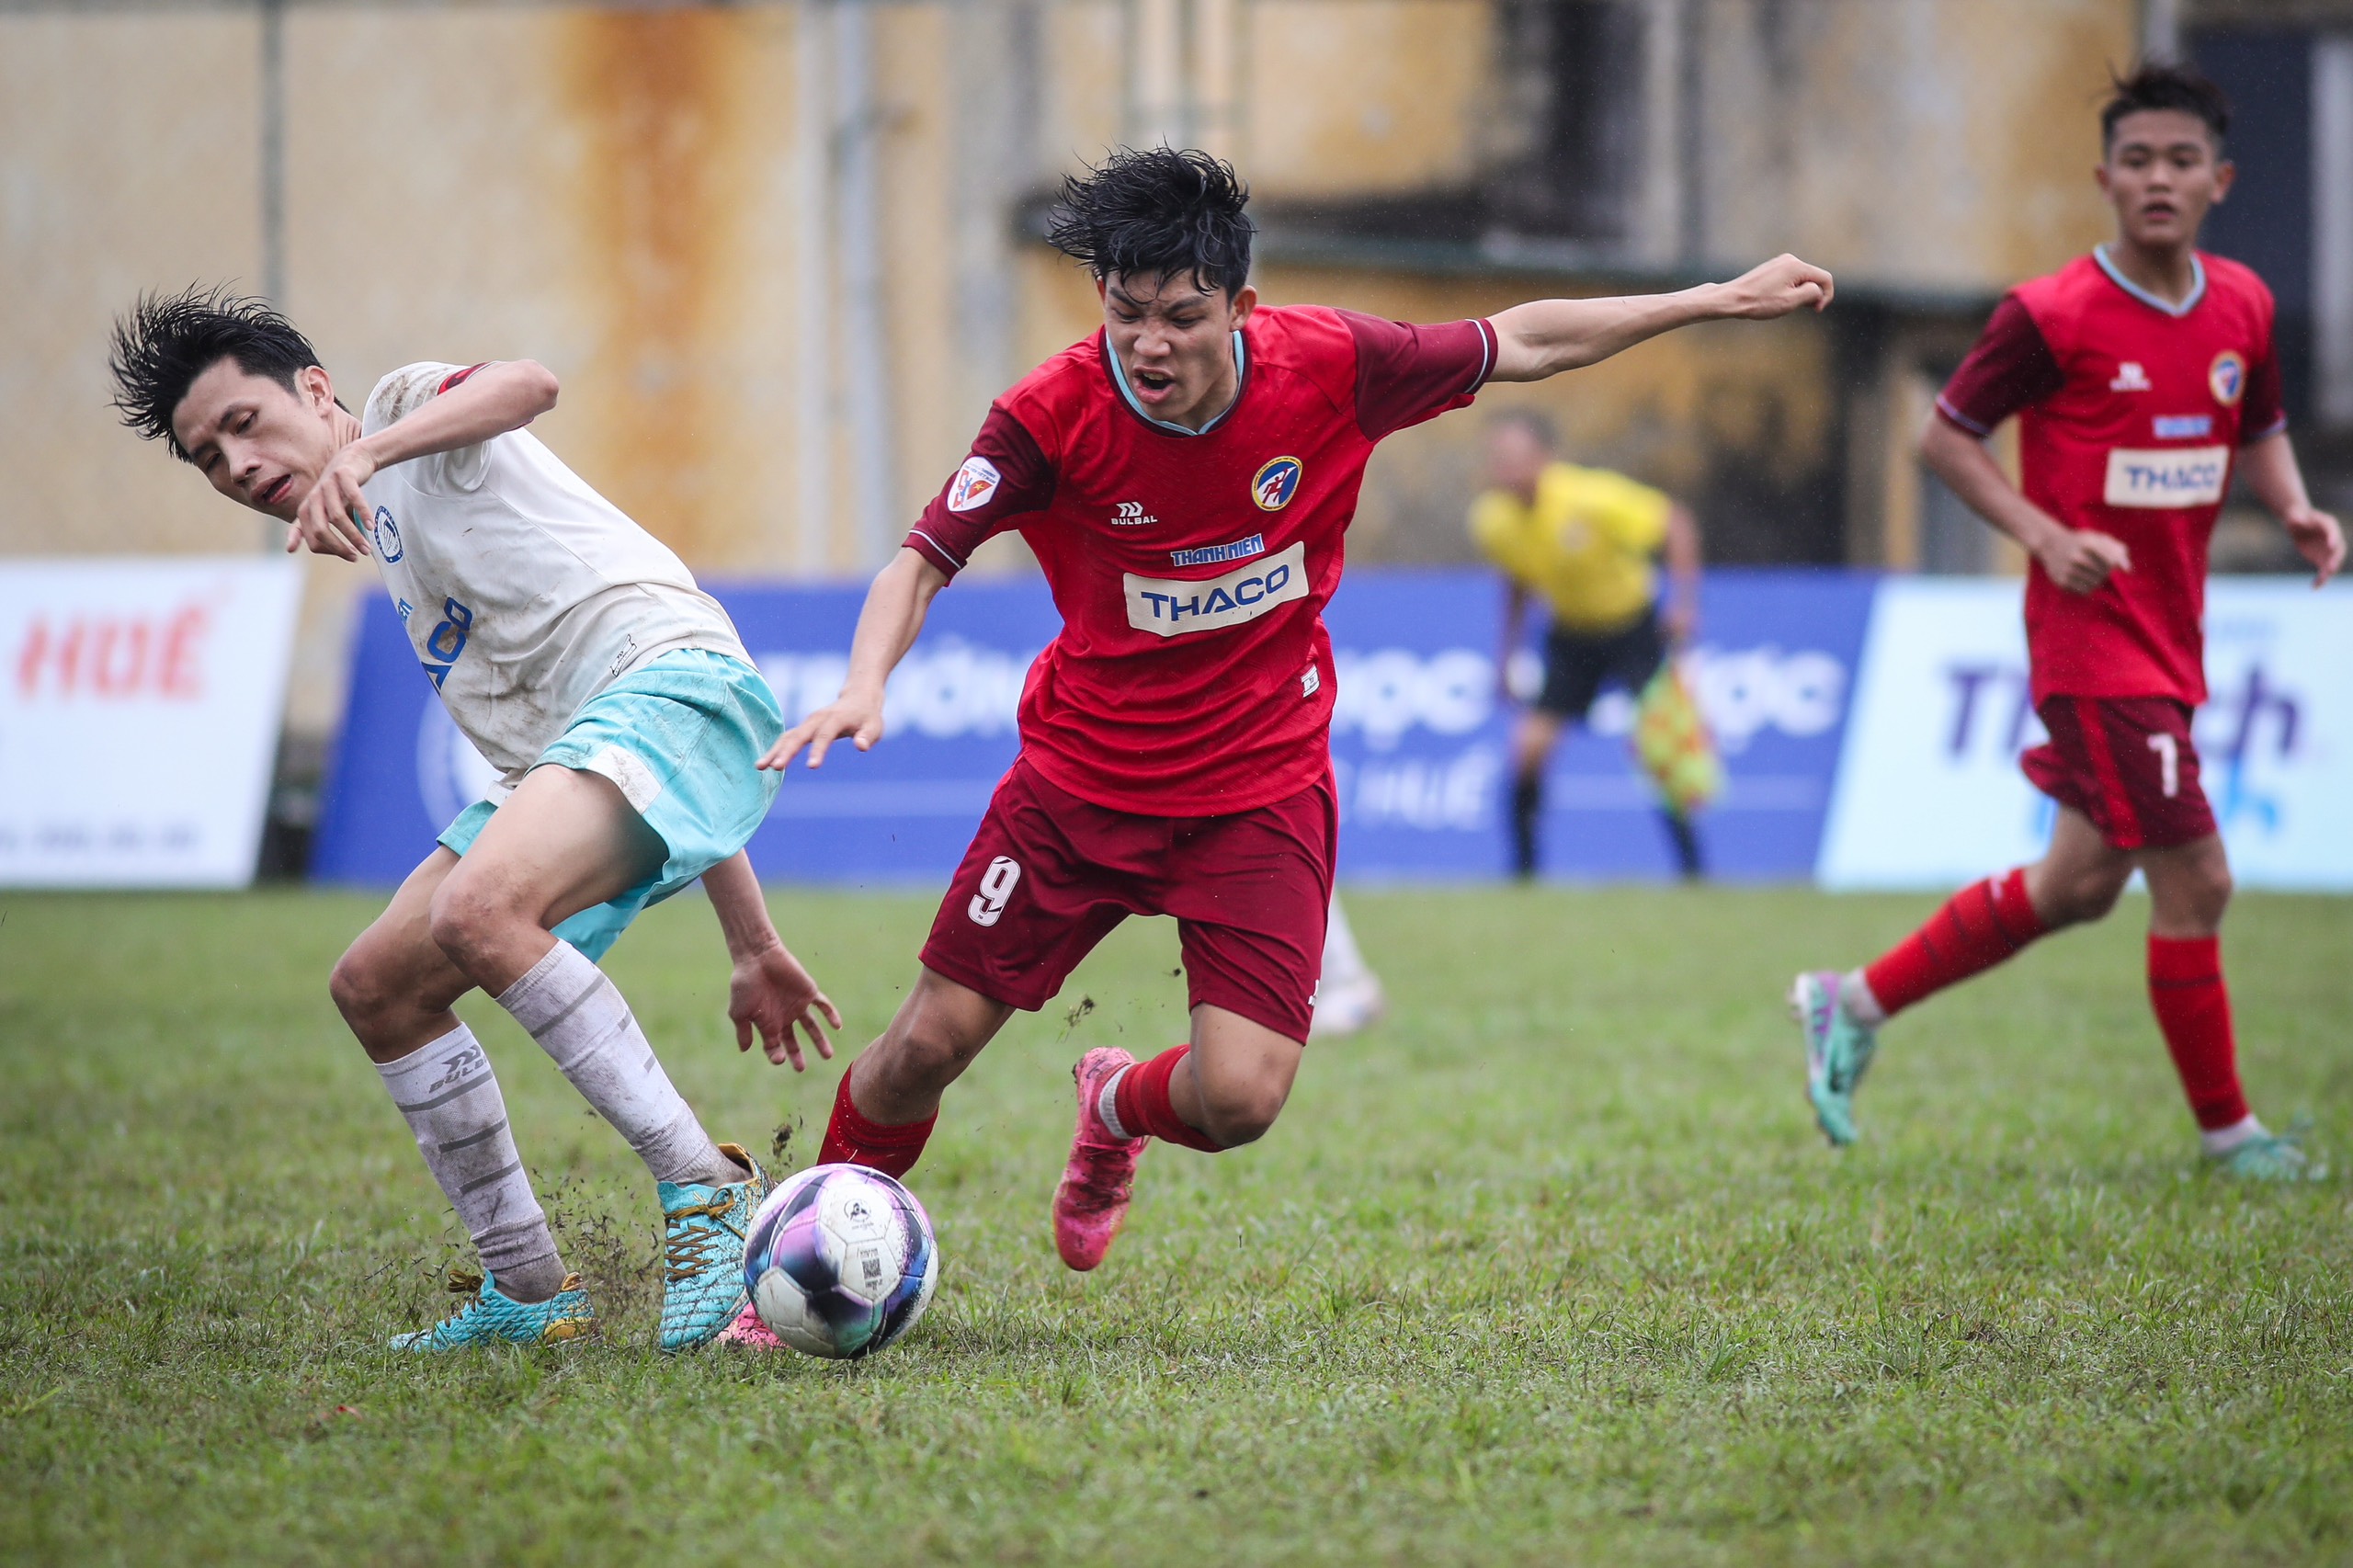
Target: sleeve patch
[974, 484]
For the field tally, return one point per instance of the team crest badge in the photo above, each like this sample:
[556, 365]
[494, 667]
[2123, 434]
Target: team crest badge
[974, 484]
[1276, 483]
[388, 536]
[2227, 378]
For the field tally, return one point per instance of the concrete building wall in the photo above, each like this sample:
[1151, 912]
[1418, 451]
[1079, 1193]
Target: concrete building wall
[657, 203]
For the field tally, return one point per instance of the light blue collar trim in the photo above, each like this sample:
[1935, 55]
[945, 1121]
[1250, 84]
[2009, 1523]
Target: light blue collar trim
[2197, 285]
[1241, 378]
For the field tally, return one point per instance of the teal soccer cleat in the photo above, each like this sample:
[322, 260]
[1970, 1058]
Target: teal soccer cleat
[702, 1290]
[1837, 1052]
[486, 1317]
[2274, 1156]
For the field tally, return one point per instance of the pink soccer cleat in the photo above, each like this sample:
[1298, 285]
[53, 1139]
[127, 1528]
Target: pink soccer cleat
[1091, 1201]
[748, 1331]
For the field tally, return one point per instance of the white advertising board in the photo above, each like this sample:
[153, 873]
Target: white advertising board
[1928, 794]
[139, 715]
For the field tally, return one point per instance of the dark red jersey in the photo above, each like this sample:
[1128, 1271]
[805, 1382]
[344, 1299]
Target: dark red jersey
[2131, 412]
[1192, 675]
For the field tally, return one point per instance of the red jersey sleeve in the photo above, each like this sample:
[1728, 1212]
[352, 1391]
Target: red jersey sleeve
[1005, 477]
[2264, 413]
[1407, 374]
[2010, 368]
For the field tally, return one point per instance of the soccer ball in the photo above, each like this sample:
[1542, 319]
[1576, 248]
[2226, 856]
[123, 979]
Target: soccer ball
[840, 1261]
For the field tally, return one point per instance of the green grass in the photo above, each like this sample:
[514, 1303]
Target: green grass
[1552, 1267]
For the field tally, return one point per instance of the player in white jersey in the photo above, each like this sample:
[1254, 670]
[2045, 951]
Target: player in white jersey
[576, 653]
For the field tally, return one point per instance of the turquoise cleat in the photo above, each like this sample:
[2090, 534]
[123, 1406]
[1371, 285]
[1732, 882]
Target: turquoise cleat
[1837, 1052]
[2275, 1157]
[702, 1292]
[486, 1317]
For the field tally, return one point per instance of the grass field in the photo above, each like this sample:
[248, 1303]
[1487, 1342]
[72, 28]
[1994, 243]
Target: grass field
[1552, 1267]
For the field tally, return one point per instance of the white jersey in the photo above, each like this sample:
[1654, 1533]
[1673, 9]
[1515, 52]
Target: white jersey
[524, 591]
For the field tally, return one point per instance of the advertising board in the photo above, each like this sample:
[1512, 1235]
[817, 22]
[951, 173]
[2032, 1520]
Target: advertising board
[1929, 791]
[1419, 740]
[139, 718]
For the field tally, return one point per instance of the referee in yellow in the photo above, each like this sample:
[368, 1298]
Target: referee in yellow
[1588, 540]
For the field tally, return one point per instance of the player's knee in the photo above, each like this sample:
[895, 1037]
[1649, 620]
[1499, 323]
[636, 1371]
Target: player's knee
[2083, 898]
[361, 988]
[1242, 1113]
[464, 921]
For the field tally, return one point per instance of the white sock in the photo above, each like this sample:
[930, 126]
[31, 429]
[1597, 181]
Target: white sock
[1107, 1104]
[1342, 961]
[579, 1018]
[1855, 996]
[2221, 1141]
[450, 1097]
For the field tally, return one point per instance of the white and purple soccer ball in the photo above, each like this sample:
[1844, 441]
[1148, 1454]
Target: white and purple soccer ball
[840, 1261]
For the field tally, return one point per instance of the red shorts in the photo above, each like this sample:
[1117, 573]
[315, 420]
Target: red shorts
[2127, 763]
[1049, 875]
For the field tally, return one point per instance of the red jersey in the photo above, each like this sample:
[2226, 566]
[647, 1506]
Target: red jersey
[2130, 411]
[1193, 676]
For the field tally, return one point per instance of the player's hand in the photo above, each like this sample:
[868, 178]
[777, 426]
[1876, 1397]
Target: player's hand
[772, 994]
[1782, 285]
[2319, 540]
[333, 519]
[2080, 560]
[858, 720]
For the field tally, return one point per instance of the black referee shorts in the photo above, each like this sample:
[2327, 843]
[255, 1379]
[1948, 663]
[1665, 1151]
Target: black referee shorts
[1577, 664]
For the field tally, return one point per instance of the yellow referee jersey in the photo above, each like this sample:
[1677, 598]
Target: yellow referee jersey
[1587, 545]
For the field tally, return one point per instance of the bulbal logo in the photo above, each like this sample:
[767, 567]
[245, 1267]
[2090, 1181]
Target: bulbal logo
[974, 484]
[388, 537]
[2130, 377]
[1276, 483]
[1130, 515]
[2226, 377]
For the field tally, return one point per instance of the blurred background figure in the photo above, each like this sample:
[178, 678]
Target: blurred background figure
[1587, 542]
[1349, 999]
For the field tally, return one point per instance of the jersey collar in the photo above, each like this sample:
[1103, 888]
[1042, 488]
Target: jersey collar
[2197, 284]
[1128, 395]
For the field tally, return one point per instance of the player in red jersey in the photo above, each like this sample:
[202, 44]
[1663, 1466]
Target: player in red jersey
[1186, 477]
[2137, 373]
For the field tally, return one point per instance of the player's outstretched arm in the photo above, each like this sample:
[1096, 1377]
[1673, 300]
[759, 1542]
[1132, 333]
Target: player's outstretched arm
[494, 400]
[2078, 560]
[769, 992]
[2270, 470]
[1545, 337]
[887, 628]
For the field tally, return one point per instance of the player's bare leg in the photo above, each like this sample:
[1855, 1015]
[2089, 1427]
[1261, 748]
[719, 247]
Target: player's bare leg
[889, 1098]
[1533, 740]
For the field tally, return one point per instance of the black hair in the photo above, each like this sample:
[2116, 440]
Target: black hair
[2159, 86]
[1157, 211]
[168, 340]
[1536, 423]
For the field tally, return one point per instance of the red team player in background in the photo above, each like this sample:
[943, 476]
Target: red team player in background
[1186, 477]
[2136, 372]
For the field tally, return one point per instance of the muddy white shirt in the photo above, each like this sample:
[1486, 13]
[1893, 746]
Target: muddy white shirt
[524, 591]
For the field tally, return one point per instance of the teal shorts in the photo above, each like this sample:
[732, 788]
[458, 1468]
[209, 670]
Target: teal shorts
[681, 735]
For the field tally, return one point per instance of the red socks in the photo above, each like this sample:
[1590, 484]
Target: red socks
[852, 1140]
[1977, 928]
[1145, 1110]
[2193, 1009]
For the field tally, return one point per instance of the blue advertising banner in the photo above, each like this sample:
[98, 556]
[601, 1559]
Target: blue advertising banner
[1420, 734]
[1930, 795]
